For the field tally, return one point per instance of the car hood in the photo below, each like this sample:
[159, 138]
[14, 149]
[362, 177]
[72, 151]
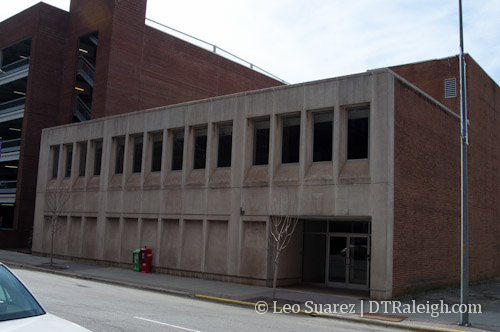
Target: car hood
[42, 323]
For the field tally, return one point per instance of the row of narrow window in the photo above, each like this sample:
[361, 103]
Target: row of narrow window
[357, 145]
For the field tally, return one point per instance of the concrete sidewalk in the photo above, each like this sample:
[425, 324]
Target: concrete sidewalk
[332, 304]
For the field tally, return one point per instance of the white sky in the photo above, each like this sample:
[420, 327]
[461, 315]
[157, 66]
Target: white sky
[300, 41]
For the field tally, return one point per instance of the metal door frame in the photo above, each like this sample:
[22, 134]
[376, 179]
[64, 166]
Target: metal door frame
[346, 283]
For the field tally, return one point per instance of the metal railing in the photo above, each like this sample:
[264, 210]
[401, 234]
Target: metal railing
[94, 40]
[14, 65]
[8, 184]
[11, 145]
[12, 103]
[85, 68]
[80, 109]
[215, 48]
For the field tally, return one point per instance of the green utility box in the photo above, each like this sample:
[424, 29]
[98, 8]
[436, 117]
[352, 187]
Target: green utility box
[135, 260]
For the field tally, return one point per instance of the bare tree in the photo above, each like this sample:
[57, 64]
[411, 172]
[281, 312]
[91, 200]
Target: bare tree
[282, 228]
[54, 205]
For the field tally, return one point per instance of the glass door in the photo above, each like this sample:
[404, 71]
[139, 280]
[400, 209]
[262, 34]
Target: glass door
[358, 261]
[337, 260]
[348, 261]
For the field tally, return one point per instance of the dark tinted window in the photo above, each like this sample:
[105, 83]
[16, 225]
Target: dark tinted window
[314, 258]
[177, 149]
[200, 148]
[224, 145]
[315, 226]
[119, 154]
[83, 159]
[55, 161]
[322, 136]
[97, 157]
[357, 133]
[290, 143]
[342, 226]
[137, 157]
[156, 151]
[69, 157]
[261, 142]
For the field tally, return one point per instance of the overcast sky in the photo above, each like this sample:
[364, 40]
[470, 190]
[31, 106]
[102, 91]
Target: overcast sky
[300, 41]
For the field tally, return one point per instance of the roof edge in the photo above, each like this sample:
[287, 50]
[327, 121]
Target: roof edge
[418, 90]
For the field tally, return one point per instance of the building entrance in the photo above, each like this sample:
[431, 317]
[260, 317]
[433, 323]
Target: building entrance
[348, 261]
[337, 253]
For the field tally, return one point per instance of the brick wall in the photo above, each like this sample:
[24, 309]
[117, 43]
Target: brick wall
[139, 67]
[85, 17]
[427, 178]
[46, 26]
[174, 71]
[483, 99]
[430, 75]
[426, 193]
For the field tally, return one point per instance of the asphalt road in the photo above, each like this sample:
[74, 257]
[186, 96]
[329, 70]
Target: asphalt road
[108, 308]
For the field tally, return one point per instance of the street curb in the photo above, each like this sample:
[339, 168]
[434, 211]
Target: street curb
[174, 292]
[339, 317]
[99, 279]
[224, 300]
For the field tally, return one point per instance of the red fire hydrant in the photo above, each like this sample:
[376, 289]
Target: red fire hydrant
[146, 257]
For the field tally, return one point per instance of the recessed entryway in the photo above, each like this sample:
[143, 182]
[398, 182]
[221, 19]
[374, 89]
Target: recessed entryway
[337, 253]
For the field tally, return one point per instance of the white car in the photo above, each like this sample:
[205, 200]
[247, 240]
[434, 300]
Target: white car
[21, 312]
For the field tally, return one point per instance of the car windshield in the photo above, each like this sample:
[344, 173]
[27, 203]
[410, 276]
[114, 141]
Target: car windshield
[15, 300]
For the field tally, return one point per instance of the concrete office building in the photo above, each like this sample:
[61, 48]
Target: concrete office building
[370, 163]
[96, 60]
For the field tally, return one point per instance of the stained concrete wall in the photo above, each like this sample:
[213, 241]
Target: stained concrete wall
[214, 223]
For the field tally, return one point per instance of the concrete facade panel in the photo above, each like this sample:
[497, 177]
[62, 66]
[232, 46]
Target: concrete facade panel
[254, 201]
[151, 203]
[314, 197]
[114, 202]
[354, 90]
[112, 239]
[129, 239]
[324, 94]
[89, 238]
[136, 67]
[254, 250]
[172, 202]
[219, 202]
[149, 237]
[206, 213]
[61, 235]
[75, 236]
[194, 201]
[192, 252]
[132, 201]
[93, 202]
[169, 253]
[216, 257]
